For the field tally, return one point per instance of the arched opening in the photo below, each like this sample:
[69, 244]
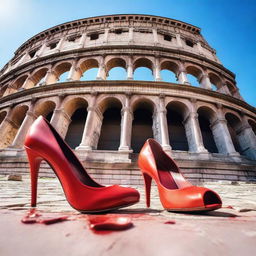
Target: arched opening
[111, 125]
[169, 71]
[76, 127]
[193, 74]
[77, 110]
[234, 124]
[17, 117]
[116, 69]
[117, 73]
[141, 125]
[177, 134]
[143, 70]
[62, 71]
[232, 89]
[89, 69]
[2, 116]
[45, 109]
[215, 81]
[37, 78]
[253, 125]
[204, 115]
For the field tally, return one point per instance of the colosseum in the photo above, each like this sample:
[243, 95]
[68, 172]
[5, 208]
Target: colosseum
[203, 123]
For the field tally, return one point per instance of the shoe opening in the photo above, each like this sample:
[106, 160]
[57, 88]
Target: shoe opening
[211, 198]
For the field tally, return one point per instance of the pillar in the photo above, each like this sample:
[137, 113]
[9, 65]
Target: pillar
[164, 135]
[60, 43]
[205, 82]
[29, 83]
[105, 40]
[60, 121]
[41, 51]
[247, 139]
[82, 40]
[182, 75]
[19, 139]
[155, 36]
[178, 39]
[221, 134]
[157, 73]
[126, 126]
[193, 132]
[75, 72]
[130, 36]
[130, 69]
[92, 127]
[50, 77]
[101, 75]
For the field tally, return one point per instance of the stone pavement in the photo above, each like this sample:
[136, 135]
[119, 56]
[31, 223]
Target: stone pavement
[227, 231]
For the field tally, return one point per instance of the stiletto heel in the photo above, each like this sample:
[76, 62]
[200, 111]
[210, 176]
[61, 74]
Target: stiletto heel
[83, 193]
[147, 181]
[175, 192]
[34, 162]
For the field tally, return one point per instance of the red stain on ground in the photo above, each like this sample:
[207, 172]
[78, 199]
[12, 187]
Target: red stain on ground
[33, 216]
[170, 222]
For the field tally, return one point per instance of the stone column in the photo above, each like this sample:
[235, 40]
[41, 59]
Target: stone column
[50, 77]
[126, 126]
[29, 83]
[221, 135]
[75, 72]
[8, 129]
[157, 73]
[60, 121]
[60, 43]
[82, 40]
[224, 89]
[41, 51]
[92, 127]
[164, 135]
[19, 139]
[105, 41]
[205, 82]
[130, 36]
[247, 139]
[178, 39]
[193, 132]
[155, 36]
[182, 75]
[129, 69]
[24, 58]
[101, 75]
[199, 48]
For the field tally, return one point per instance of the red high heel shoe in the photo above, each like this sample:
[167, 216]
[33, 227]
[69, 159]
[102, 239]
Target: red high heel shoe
[175, 192]
[82, 192]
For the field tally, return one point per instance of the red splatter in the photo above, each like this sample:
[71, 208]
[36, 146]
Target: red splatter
[170, 222]
[110, 223]
[33, 216]
[229, 207]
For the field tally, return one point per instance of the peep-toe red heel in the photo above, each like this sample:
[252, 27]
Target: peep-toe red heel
[175, 192]
[82, 192]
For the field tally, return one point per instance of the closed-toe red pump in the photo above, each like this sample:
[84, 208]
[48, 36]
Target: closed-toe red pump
[84, 194]
[175, 192]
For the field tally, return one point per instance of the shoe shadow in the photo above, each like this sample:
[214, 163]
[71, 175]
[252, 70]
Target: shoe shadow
[137, 211]
[212, 214]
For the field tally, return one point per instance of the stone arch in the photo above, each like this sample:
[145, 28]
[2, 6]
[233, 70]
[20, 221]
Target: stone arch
[142, 126]
[109, 138]
[143, 62]
[215, 80]
[12, 125]
[234, 124]
[36, 77]
[86, 64]
[106, 101]
[206, 116]
[3, 90]
[76, 109]
[45, 108]
[173, 69]
[231, 87]
[2, 116]
[19, 82]
[116, 62]
[176, 113]
[61, 68]
[195, 71]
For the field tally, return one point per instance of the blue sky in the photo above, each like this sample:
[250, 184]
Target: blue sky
[229, 26]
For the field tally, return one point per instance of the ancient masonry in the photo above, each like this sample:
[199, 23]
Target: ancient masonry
[209, 129]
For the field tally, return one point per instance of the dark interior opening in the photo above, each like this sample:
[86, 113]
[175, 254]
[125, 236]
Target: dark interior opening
[110, 130]
[76, 128]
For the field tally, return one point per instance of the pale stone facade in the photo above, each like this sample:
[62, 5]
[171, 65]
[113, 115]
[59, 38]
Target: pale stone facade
[219, 128]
